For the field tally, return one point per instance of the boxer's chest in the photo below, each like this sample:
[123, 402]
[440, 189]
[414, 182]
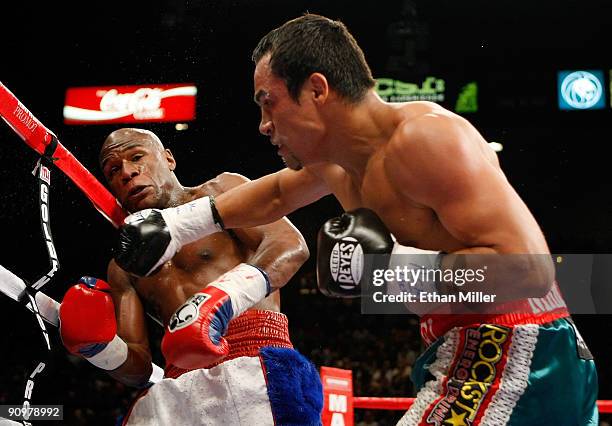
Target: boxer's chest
[411, 223]
[194, 266]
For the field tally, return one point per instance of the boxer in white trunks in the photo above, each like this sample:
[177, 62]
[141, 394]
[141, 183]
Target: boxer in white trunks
[204, 296]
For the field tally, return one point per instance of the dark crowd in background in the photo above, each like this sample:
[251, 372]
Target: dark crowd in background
[558, 161]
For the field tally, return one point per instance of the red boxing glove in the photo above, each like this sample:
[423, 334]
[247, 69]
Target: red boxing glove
[194, 336]
[88, 326]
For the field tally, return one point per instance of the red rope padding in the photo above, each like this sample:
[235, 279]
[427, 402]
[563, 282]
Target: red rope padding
[38, 137]
[373, 403]
[604, 406]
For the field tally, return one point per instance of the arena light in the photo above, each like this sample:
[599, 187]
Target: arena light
[496, 146]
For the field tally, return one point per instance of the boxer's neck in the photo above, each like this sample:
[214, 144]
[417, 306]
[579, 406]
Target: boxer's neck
[179, 194]
[355, 132]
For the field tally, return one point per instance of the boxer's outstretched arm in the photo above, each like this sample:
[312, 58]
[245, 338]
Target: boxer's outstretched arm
[270, 198]
[255, 203]
[447, 166]
[278, 248]
[131, 327]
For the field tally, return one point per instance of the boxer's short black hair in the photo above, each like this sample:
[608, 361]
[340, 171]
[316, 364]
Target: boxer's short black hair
[313, 43]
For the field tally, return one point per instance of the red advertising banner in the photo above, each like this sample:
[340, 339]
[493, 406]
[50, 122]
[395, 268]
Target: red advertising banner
[337, 396]
[130, 104]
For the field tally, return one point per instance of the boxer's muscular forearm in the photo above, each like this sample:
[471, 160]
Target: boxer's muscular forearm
[164, 232]
[269, 198]
[510, 276]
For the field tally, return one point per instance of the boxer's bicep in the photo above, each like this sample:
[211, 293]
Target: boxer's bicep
[131, 328]
[129, 312]
[477, 214]
[443, 169]
[302, 187]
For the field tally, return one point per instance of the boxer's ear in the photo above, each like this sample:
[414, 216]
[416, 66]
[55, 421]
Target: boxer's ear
[170, 159]
[318, 87]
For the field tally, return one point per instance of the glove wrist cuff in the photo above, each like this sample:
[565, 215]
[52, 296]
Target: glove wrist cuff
[414, 258]
[246, 285]
[266, 278]
[192, 221]
[400, 249]
[112, 356]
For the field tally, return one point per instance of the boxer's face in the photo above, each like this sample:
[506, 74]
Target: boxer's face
[138, 171]
[294, 128]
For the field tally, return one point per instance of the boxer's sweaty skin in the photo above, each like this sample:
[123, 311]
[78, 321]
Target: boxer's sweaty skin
[140, 173]
[200, 262]
[424, 170]
[427, 172]
[392, 188]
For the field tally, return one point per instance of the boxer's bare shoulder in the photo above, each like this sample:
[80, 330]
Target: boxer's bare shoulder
[436, 148]
[219, 184]
[427, 129]
[225, 181]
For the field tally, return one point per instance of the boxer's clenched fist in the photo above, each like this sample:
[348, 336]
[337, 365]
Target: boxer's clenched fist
[341, 245]
[87, 324]
[151, 237]
[194, 336]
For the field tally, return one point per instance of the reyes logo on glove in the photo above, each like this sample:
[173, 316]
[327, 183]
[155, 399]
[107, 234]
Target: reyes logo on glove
[188, 312]
[346, 263]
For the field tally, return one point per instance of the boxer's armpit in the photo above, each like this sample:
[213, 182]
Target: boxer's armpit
[128, 306]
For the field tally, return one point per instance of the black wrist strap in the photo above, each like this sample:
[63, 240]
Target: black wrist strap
[215, 212]
[266, 277]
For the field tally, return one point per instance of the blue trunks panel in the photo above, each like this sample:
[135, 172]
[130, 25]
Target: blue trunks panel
[294, 387]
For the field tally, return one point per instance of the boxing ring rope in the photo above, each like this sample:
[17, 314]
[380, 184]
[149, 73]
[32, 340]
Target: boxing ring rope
[378, 403]
[39, 138]
[340, 404]
[52, 153]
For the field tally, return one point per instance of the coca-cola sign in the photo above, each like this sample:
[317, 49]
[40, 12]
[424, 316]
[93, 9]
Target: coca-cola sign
[130, 104]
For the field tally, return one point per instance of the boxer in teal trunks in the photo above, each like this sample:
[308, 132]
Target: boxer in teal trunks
[434, 183]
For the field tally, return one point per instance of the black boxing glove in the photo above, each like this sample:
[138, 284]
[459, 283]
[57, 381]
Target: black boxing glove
[151, 237]
[341, 245]
[143, 240]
